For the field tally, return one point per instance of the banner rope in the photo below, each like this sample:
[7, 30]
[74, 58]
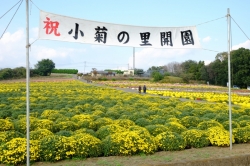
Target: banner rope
[12, 18]
[240, 28]
[35, 5]
[211, 20]
[9, 9]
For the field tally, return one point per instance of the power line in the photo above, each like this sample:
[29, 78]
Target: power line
[210, 50]
[10, 9]
[240, 28]
[11, 19]
[211, 20]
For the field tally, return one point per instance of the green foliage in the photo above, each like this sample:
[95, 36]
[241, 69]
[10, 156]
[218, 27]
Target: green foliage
[207, 124]
[242, 134]
[172, 79]
[14, 151]
[104, 131]
[126, 123]
[234, 125]
[6, 125]
[196, 138]
[85, 146]
[8, 73]
[85, 131]
[66, 125]
[156, 129]
[221, 117]
[240, 64]
[45, 67]
[244, 123]
[142, 122]
[170, 141]
[138, 72]
[51, 148]
[128, 143]
[65, 71]
[103, 122]
[64, 133]
[176, 127]
[157, 76]
[6, 136]
[190, 121]
[39, 134]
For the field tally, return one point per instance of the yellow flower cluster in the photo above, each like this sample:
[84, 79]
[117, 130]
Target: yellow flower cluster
[5, 125]
[208, 96]
[129, 143]
[14, 151]
[219, 136]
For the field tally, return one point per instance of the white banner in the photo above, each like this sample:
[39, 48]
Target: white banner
[63, 28]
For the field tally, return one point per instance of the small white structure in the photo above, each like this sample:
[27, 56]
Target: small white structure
[129, 72]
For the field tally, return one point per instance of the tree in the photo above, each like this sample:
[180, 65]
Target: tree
[157, 76]
[217, 72]
[173, 68]
[222, 56]
[240, 60]
[44, 67]
[138, 72]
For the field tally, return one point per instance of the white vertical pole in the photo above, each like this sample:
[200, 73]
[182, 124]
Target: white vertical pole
[134, 58]
[27, 85]
[84, 67]
[229, 76]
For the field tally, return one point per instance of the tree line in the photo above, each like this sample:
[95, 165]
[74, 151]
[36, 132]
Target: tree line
[43, 68]
[215, 73]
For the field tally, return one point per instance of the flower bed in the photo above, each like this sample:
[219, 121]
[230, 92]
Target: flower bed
[72, 119]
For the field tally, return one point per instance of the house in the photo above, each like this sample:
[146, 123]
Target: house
[129, 72]
[102, 73]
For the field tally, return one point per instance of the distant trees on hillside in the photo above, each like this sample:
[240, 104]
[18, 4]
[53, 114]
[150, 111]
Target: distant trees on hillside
[216, 72]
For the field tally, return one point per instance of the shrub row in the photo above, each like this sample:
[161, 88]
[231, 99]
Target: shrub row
[65, 71]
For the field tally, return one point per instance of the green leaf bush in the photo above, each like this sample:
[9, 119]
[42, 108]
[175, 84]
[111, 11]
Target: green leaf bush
[129, 143]
[104, 131]
[242, 134]
[207, 124]
[196, 138]
[154, 130]
[170, 141]
[176, 127]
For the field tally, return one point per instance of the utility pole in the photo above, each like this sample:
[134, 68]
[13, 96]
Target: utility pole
[128, 66]
[84, 67]
[134, 58]
[229, 74]
[27, 87]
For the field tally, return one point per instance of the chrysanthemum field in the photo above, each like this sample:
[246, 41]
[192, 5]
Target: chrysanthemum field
[71, 119]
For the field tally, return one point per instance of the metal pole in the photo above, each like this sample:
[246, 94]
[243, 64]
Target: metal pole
[84, 67]
[27, 85]
[134, 58]
[229, 76]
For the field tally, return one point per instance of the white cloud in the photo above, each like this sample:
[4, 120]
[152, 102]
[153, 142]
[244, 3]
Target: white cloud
[13, 51]
[246, 44]
[206, 39]
[12, 38]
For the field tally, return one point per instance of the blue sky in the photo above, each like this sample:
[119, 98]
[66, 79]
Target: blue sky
[158, 13]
